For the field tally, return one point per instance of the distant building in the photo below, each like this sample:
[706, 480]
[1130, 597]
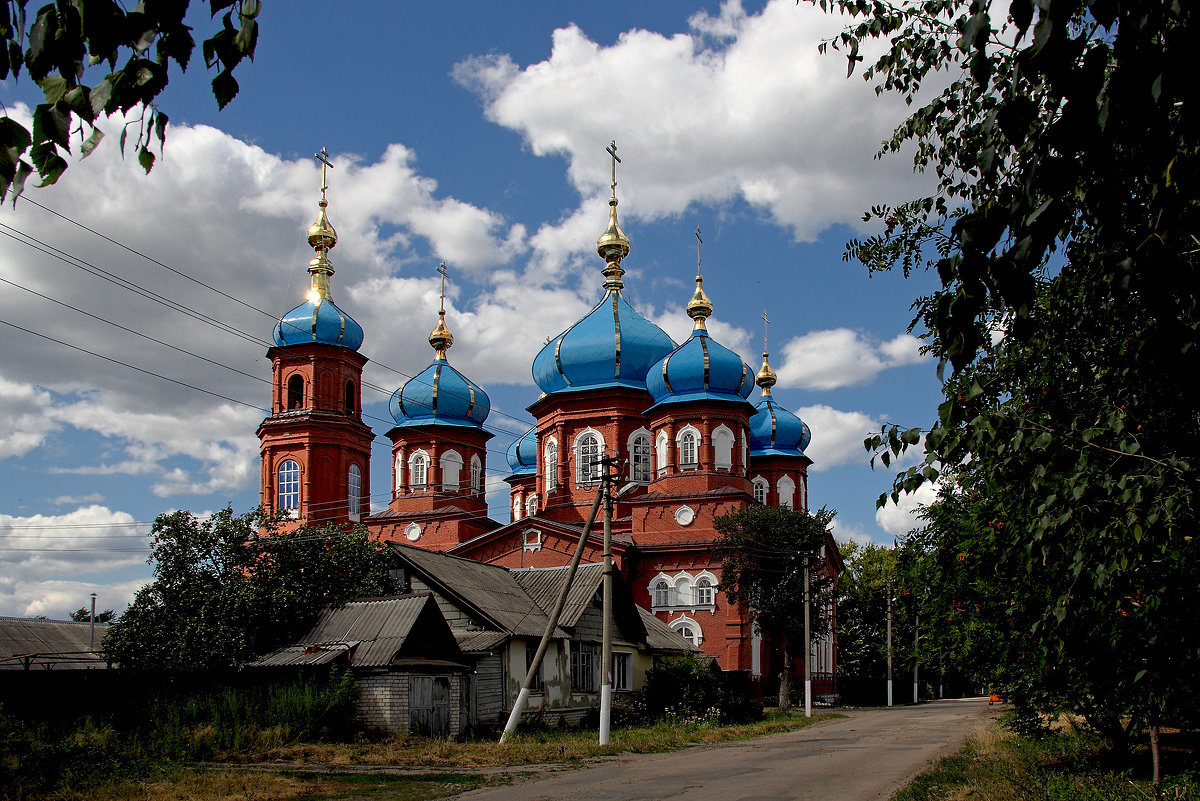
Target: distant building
[678, 416]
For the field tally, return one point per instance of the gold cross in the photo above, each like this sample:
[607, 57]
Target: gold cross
[326, 165]
[612, 151]
[442, 270]
[765, 321]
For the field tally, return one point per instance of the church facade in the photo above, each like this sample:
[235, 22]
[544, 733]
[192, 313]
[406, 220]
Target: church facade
[689, 443]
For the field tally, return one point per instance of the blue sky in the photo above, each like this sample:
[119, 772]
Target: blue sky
[467, 132]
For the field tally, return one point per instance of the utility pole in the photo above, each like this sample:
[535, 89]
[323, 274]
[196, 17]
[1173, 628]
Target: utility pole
[610, 463]
[889, 643]
[807, 644]
[916, 658]
[92, 630]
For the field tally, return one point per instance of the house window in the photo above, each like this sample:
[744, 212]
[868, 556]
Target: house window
[354, 502]
[539, 681]
[399, 472]
[588, 469]
[662, 593]
[350, 407]
[476, 475]
[295, 392]
[704, 592]
[418, 466]
[289, 486]
[622, 672]
[760, 490]
[451, 464]
[722, 439]
[687, 449]
[551, 466]
[583, 666]
[639, 458]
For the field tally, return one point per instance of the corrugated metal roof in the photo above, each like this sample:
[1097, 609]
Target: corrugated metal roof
[492, 590]
[305, 655]
[478, 641]
[661, 637]
[42, 644]
[545, 583]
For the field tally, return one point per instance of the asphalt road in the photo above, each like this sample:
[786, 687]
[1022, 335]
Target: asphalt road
[865, 757]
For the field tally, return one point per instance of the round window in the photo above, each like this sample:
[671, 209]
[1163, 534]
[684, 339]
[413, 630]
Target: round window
[684, 515]
[413, 532]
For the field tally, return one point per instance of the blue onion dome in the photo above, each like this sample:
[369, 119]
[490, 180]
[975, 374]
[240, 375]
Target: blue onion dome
[613, 346]
[318, 319]
[522, 454]
[701, 368]
[440, 395]
[775, 431]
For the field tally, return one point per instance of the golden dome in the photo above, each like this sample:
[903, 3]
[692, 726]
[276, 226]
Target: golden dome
[321, 235]
[766, 376]
[699, 308]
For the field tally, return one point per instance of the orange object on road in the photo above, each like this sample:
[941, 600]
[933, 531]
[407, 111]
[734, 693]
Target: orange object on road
[995, 699]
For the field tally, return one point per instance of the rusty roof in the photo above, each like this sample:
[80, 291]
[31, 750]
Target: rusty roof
[49, 644]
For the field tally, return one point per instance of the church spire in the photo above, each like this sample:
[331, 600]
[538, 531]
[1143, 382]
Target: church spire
[440, 338]
[613, 245]
[322, 238]
[766, 376]
[699, 307]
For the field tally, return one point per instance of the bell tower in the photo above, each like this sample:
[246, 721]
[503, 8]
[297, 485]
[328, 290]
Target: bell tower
[316, 450]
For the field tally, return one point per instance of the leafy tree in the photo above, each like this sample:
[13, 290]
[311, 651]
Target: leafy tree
[231, 587]
[66, 47]
[84, 615]
[862, 610]
[763, 552]
[1063, 221]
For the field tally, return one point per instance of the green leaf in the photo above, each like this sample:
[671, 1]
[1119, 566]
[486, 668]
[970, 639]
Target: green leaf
[53, 87]
[51, 125]
[225, 88]
[160, 127]
[145, 158]
[48, 163]
[91, 143]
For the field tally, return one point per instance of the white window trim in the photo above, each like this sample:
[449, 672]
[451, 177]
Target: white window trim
[688, 429]
[353, 493]
[399, 482]
[455, 458]
[412, 532]
[518, 506]
[294, 510]
[532, 540]
[787, 499]
[476, 474]
[412, 460]
[759, 481]
[674, 602]
[641, 432]
[601, 449]
[660, 452]
[685, 620]
[531, 506]
[550, 463]
[716, 450]
[622, 680]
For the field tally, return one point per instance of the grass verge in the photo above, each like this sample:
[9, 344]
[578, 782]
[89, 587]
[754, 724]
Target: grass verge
[1066, 765]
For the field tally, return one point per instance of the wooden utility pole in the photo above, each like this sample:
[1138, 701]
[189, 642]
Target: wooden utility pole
[807, 643]
[606, 637]
[889, 643]
[916, 658]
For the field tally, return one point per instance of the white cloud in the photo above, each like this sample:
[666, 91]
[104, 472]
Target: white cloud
[898, 519]
[841, 357]
[743, 107]
[23, 421]
[77, 500]
[837, 436]
[47, 560]
[848, 532]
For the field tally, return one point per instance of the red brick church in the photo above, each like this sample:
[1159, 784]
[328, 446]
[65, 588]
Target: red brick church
[613, 384]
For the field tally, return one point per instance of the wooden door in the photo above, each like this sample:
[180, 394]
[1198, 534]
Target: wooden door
[429, 705]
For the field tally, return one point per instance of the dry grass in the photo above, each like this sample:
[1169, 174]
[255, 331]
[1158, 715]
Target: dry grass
[525, 749]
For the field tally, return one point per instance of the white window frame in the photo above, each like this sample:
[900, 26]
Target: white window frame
[640, 466]
[622, 671]
[786, 488]
[532, 540]
[686, 621]
[418, 470]
[476, 474]
[660, 451]
[585, 658]
[660, 592]
[746, 450]
[722, 442]
[518, 505]
[803, 492]
[588, 475]
[761, 487]
[451, 464]
[550, 464]
[287, 489]
[680, 444]
[354, 492]
[399, 467]
[705, 591]
[531, 506]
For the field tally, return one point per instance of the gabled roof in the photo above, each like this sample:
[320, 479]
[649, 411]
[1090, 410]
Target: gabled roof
[49, 644]
[490, 591]
[545, 583]
[661, 637]
[373, 632]
[621, 539]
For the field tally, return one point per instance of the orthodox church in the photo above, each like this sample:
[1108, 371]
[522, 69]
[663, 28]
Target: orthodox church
[690, 443]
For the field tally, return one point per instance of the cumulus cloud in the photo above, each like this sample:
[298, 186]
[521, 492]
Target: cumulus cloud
[842, 357]
[741, 107]
[23, 422]
[848, 532]
[898, 519]
[51, 562]
[837, 436]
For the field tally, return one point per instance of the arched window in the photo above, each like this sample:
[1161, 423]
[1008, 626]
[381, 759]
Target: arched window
[476, 475]
[418, 470]
[660, 451]
[351, 408]
[516, 512]
[704, 592]
[399, 471]
[589, 448]
[787, 492]
[804, 493]
[451, 464]
[760, 490]
[639, 457]
[354, 501]
[551, 465]
[688, 442]
[722, 440]
[683, 592]
[531, 506]
[746, 451]
[688, 629]
[295, 392]
[662, 593]
[289, 486]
